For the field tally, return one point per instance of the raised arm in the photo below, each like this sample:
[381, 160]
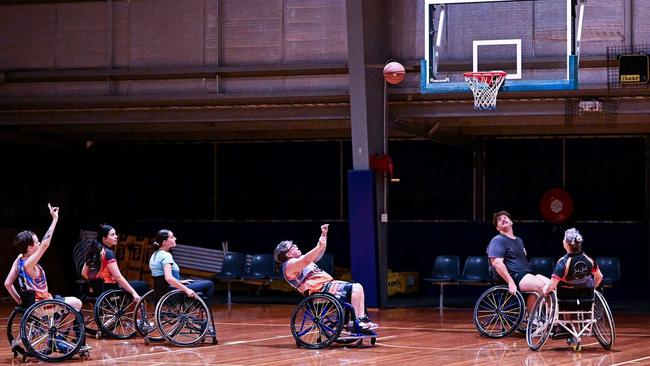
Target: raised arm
[9, 282]
[296, 265]
[33, 259]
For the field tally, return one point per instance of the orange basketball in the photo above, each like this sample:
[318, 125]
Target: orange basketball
[394, 72]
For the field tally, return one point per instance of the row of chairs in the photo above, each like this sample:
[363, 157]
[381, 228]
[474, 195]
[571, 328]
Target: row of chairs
[446, 271]
[259, 268]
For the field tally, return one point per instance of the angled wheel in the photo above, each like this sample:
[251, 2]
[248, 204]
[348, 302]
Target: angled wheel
[13, 325]
[540, 321]
[604, 327]
[317, 321]
[182, 320]
[88, 313]
[52, 330]
[114, 311]
[498, 313]
[144, 318]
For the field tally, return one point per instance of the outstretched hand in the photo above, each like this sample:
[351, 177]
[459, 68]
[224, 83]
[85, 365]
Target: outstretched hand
[323, 229]
[54, 211]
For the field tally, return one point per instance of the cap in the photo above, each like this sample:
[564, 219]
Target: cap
[282, 248]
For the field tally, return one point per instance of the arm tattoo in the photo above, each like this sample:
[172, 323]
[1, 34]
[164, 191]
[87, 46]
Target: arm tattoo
[47, 235]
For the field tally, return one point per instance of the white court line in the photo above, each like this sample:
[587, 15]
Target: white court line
[632, 361]
[255, 340]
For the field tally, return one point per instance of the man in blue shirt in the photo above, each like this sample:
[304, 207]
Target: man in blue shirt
[507, 256]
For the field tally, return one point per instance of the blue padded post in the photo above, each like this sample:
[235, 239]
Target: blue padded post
[363, 233]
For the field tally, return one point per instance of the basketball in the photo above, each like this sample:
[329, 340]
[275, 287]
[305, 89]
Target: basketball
[394, 72]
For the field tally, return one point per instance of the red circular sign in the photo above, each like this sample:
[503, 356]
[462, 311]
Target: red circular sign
[556, 206]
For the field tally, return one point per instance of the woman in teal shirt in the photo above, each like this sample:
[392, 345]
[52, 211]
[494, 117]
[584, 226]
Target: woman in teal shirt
[162, 263]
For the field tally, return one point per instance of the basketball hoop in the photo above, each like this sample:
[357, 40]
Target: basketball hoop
[485, 86]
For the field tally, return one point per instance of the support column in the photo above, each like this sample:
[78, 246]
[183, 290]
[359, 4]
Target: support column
[367, 27]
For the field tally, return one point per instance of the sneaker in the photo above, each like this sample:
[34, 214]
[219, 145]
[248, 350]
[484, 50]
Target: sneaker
[85, 348]
[366, 324]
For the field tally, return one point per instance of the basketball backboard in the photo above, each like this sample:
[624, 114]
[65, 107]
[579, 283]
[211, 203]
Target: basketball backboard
[537, 42]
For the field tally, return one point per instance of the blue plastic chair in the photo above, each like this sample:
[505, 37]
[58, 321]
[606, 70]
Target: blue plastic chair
[542, 265]
[232, 269]
[445, 271]
[611, 269]
[475, 271]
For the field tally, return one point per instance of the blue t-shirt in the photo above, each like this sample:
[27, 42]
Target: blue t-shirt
[512, 251]
[158, 259]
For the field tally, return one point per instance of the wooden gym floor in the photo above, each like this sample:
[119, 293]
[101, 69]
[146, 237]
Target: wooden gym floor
[259, 335]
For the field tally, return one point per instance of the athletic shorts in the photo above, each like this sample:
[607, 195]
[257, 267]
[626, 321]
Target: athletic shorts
[340, 289]
[518, 276]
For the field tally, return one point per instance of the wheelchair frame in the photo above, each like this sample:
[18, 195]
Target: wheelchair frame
[179, 319]
[596, 321]
[497, 312]
[45, 331]
[319, 319]
[109, 313]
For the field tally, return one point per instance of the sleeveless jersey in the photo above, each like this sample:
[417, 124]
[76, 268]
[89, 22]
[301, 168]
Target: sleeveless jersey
[310, 280]
[38, 284]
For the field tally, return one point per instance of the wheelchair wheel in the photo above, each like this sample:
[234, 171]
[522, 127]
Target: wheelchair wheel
[144, 318]
[88, 313]
[13, 325]
[498, 313]
[52, 330]
[182, 320]
[114, 313]
[604, 327]
[317, 321]
[540, 321]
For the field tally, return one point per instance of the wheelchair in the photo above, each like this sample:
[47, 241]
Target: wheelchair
[497, 312]
[168, 314]
[577, 311]
[49, 330]
[319, 320]
[107, 309]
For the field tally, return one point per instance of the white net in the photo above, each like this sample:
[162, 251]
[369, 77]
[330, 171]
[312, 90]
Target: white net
[485, 87]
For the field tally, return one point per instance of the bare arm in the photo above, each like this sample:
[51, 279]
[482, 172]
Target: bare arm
[598, 277]
[296, 265]
[85, 272]
[33, 259]
[501, 269]
[167, 269]
[552, 286]
[117, 275]
[9, 282]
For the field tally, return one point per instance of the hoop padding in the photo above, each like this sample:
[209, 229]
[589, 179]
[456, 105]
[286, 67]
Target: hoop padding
[485, 87]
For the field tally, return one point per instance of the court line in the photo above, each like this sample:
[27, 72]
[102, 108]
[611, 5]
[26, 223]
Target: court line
[632, 361]
[255, 340]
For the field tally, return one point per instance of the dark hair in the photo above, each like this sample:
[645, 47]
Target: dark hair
[161, 236]
[499, 213]
[104, 229]
[23, 240]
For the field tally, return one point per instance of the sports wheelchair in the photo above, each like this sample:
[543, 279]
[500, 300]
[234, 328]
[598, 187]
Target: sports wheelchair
[107, 309]
[168, 314]
[49, 330]
[497, 313]
[578, 311]
[320, 319]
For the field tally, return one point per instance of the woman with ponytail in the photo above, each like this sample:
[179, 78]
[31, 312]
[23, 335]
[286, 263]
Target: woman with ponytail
[162, 263]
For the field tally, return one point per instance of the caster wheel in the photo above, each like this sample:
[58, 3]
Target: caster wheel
[360, 343]
[215, 341]
[146, 340]
[373, 340]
